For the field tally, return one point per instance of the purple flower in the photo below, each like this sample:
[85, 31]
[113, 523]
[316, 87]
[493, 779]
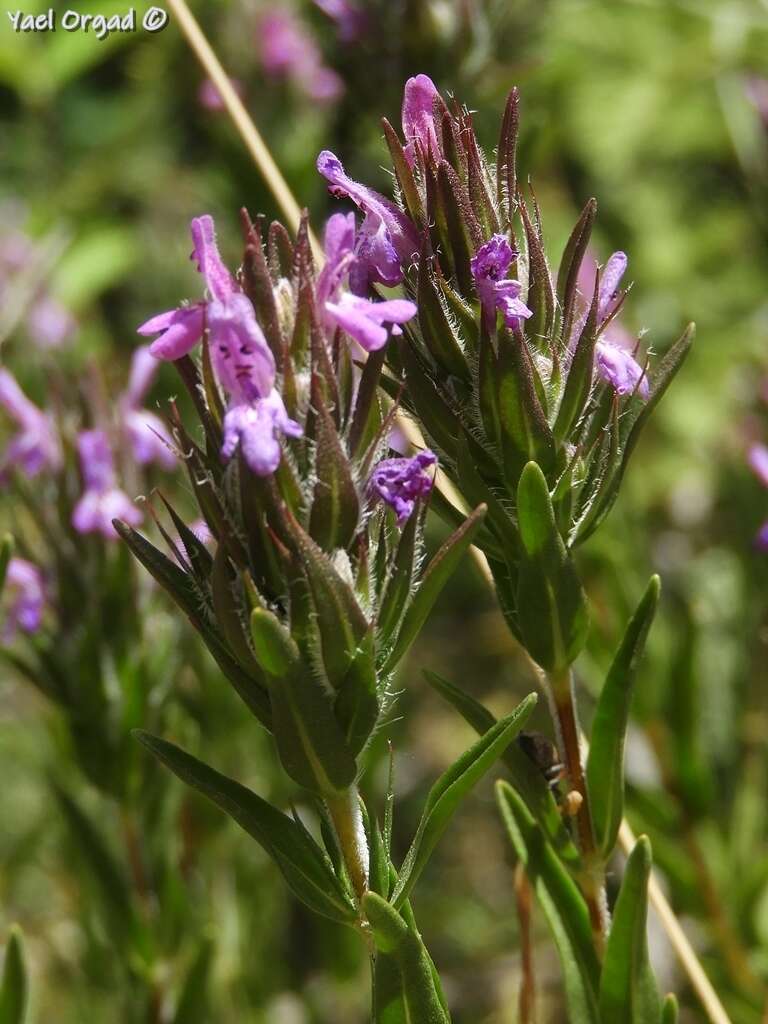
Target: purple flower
[761, 538]
[361, 318]
[756, 89]
[181, 329]
[288, 51]
[399, 232]
[49, 323]
[209, 97]
[146, 432]
[757, 458]
[35, 447]
[620, 369]
[419, 129]
[102, 500]
[614, 357]
[24, 596]
[364, 320]
[241, 358]
[400, 483]
[256, 427]
[350, 20]
[489, 265]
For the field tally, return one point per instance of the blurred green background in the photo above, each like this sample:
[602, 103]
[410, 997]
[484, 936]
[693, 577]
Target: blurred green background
[659, 109]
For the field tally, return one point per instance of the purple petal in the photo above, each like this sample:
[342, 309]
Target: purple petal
[400, 483]
[15, 402]
[761, 539]
[418, 117]
[403, 235]
[610, 280]
[363, 320]
[757, 458]
[95, 511]
[256, 428]
[621, 370]
[96, 460]
[181, 330]
[242, 360]
[149, 439]
[205, 253]
[25, 596]
[143, 371]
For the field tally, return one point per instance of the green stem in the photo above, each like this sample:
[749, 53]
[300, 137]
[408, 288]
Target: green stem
[344, 809]
[592, 880]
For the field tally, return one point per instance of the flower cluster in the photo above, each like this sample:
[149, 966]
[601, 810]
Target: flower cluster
[288, 51]
[47, 321]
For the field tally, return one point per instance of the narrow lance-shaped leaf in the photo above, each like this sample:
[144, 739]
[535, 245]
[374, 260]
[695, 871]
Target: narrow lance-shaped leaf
[440, 569]
[563, 906]
[579, 381]
[525, 432]
[451, 787]
[436, 329]
[568, 271]
[304, 865]
[528, 781]
[404, 984]
[628, 990]
[14, 985]
[6, 550]
[670, 1011]
[506, 176]
[605, 762]
[335, 504]
[541, 297]
[661, 380]
[552, 608]
[194, 1004]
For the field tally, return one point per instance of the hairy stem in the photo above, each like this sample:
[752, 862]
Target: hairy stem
[593, 879]
[344, 810]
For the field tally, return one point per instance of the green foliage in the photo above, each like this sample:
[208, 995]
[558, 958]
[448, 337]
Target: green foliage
[13, 984]
[605, 763]
[628, 989]
[450, 788]
[562, 904]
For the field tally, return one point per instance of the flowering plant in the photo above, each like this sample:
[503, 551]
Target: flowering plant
[533, 399]
[315, 590]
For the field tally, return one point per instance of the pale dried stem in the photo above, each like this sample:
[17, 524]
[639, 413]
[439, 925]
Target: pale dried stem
[283, 196]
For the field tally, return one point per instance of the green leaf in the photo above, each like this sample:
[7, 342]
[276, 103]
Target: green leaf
[404, 984]
[525, 432]
[305, 867]
[6, 551]
[669, 1010]
[436, 329]
[527, 780]
[568, 272]
[193, 1005]
[578, 384]
[357, 702]
[335, 504]
[628, 990]
[605, 762]
[541, 296]
[13, 986]
[552, 608]
[339, 620]
[662, 378]
[405, 177]
[186, 595]
[275, 650]
[107, 875]
[563, 906]
[439, 571]
[451, 787]
[310, 740]
[506, 174]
